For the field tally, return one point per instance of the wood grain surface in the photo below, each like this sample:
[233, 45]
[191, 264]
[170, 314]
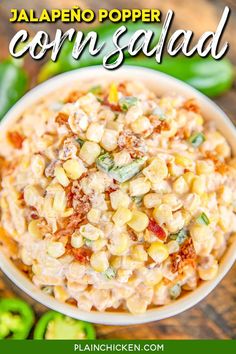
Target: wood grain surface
[214, 317]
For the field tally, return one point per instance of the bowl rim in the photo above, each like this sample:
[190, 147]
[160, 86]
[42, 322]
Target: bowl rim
[114, 318]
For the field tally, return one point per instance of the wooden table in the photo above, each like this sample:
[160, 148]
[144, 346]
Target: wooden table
[214, 317]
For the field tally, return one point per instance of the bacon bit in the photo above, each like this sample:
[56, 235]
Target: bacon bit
[163, 126]
[74, 96]
[16, 139]
[191, 106]
[82, 254]
[114, 107]
[71, 301]
[134, 144]
[186, 255]
[220, 166]
[61, 118]
[157, 230]
[122, 88]
[132, 234]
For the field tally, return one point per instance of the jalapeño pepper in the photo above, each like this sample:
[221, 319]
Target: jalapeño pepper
[13, 84]
[211, 77]
[16, 319]
[54, 325]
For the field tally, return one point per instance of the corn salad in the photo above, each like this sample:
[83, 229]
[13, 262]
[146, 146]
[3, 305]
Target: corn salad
[116, 198]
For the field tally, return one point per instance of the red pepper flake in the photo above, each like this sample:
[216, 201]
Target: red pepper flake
[16, 139]
[61, 118]
[157, 230]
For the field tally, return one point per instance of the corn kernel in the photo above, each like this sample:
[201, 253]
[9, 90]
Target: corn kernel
[34, 229]
[26, 257]
[95, 132]
[119, 199]
[31, 195]
[173, 246]
[153, 277]
[208, 273]
[74, 168]
[199, 120]
[158, 252]
[140, 125]
[136, 305]
[89, 152]
[151, 200]
[98, 244]
[223, 150]
[162, 214]
[60, 293]
[139, 186]
[183, 160]
[120, 246]
[122, 216]
[203, 239]
[122, 158]
[204, 167]
[138, 253]
[139, 221]
[156, 170]
[55, 249]
[93, 216]
[38, 165]
[90, 232]
[189, 177]
[113, 94]
[61, 176]
[59, 202]
[198, 185]
[109, 139]
[76, 240]
[99, 261]
[180, 186]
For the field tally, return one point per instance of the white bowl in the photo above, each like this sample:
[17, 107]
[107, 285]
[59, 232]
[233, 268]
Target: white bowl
[159, 83]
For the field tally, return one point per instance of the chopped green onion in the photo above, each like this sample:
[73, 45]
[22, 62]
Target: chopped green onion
[203, 219]
[87, 242]
[121, 174]
[158, 112]
[80, 141]
[197, 139]
[175, 291]
[110, 273]
[96, 90]
[137, 200]
[127, 102]
[180, 236]
[105, 162]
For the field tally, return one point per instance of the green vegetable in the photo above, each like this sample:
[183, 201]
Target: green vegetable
[54, 325]
[175, 291]
[203, 219]
[13, 84]
[127, 102]
[197, 139]
[96, 90]
[180, 236]
[121, 174]
[66, 62]
[87, 242]
[211, 77]
[137, 200]
[80, 141]
[16, 319]
[110, 273]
